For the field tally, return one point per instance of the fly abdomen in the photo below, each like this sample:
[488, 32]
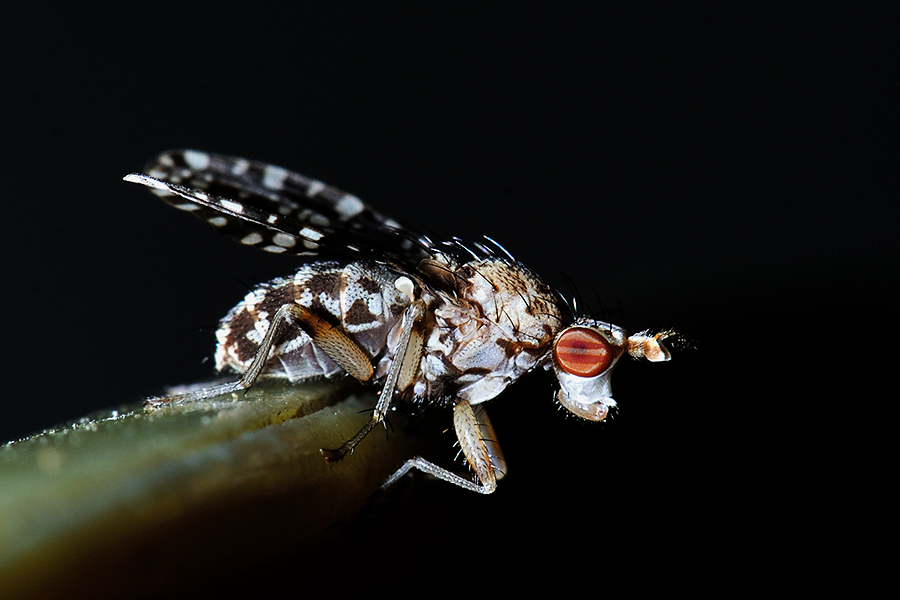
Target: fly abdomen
[358, 298]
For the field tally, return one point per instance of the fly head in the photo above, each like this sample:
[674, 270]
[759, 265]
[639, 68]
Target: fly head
[584, 355]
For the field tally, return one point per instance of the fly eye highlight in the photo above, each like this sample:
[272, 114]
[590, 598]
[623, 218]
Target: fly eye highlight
[583, 352]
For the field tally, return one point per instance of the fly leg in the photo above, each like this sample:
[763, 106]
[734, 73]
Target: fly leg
[477, 443]
[331, 340]
[402, 371]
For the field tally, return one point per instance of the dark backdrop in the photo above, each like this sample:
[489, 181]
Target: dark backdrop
[719, 170]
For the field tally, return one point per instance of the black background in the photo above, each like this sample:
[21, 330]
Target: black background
[726, 171]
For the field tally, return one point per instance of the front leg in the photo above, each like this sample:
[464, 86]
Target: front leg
[478, 444]
[403, 370]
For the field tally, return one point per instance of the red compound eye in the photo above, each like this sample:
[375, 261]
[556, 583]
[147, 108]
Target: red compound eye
[582, 352]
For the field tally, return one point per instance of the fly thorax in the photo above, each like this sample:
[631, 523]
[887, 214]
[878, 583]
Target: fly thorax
[498, 326]
[515, 300]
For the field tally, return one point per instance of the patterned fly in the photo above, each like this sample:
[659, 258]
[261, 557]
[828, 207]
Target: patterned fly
[430, 323]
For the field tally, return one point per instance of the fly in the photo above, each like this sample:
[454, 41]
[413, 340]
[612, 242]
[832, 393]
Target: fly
[430, 323]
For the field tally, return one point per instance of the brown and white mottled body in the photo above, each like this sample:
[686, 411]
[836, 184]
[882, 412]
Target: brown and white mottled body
[431, 324]
[494, 325]
[361, 299]
[498, 326]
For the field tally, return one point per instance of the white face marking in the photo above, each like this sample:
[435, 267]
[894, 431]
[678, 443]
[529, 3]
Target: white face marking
[349, 206]
[198, 161]
[232, 206]
[273, 177]
[283, 239]
[311, 234]
[250, 239]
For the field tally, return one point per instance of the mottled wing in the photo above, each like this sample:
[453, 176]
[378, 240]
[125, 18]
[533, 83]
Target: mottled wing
[276, 210]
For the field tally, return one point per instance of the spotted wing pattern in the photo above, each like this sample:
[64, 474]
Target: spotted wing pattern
[276, 210]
